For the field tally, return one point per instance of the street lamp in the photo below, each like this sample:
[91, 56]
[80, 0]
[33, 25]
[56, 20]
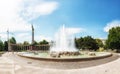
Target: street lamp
[9, 49]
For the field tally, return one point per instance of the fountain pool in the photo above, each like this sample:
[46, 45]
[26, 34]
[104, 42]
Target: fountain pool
[64, 49]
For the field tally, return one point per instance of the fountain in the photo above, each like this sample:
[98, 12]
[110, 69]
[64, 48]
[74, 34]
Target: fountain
[64, 43]
[64, 49]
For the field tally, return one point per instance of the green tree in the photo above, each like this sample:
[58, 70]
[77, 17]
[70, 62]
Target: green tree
[99, 42]
[6, 46]
[43, 42]
[113, 41]
[35, 43]
[25, 43]
[79, 43]
[12, 40]
[1, 46]
[86, 43]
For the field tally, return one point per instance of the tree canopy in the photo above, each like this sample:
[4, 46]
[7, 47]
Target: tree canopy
[1, 46]
[35, 43]
[113, 41]
[99, 42]
[12, 40]
[6, 45]
[43, 42]
[86, 43]
[25, 43]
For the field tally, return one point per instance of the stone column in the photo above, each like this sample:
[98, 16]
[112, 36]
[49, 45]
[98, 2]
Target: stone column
[32, 42]
[32, 34]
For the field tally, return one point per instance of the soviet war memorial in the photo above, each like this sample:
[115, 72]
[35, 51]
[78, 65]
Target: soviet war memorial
[59, 37]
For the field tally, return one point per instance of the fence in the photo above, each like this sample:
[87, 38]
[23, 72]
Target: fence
[17, 47]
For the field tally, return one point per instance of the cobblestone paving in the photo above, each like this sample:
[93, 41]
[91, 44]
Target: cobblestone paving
[10, 64]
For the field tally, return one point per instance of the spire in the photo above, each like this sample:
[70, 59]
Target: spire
[32, 28]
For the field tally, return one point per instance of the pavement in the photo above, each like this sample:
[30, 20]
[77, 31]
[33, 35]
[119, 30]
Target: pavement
[12, 66]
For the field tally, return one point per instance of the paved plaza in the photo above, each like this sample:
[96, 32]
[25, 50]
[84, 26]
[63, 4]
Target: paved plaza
[11, 64]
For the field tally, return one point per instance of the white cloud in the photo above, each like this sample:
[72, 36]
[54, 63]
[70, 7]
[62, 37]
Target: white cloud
[27, 37]
[112, 24]
[16, 14]
[3, 36]
[15, 28]
[21, 37]
[74, 30]
[70, 30]
[9, 17]
[34, 10]
[42, 37]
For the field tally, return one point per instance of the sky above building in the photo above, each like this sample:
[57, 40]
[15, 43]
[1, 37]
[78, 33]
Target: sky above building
[88, 17]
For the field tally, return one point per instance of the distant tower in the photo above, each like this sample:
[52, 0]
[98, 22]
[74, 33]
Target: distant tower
[32, 34]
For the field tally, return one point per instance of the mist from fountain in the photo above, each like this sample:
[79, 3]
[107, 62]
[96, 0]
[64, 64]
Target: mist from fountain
[64, 41]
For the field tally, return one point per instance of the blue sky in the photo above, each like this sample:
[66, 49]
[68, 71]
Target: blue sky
[94, 17]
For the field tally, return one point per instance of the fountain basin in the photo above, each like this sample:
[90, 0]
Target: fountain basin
[46, 56]
[67, 53]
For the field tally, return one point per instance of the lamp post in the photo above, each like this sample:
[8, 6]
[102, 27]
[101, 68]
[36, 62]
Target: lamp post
[9, 49]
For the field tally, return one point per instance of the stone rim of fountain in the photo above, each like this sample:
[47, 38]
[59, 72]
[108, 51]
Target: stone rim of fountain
[66, 59]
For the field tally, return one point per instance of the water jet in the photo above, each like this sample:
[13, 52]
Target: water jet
[64, 43]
